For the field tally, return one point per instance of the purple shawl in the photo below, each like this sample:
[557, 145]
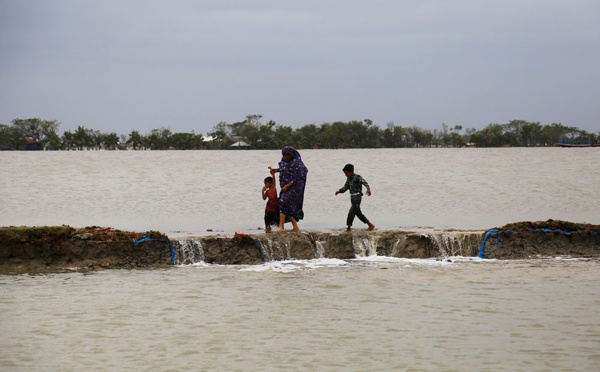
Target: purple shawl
[293, 171]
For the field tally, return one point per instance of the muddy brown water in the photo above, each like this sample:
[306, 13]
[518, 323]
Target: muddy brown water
[323, 315]
[180, 192]
[374, 313]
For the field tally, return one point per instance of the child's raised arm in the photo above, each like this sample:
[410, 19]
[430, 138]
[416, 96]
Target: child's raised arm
[274, 186]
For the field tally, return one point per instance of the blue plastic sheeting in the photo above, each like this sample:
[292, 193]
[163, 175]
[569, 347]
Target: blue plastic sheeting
[260, 250]
[551, 231]
[482, 246]
[136, 242]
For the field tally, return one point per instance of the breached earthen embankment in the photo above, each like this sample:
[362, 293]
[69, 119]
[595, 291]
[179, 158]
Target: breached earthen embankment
[53, 249]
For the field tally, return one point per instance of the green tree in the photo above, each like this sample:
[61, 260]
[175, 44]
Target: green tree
[512, 131]
[4, 134]
[456, 139]
[198, 141]
[445, 135]
[267, 135]
[96, 139]
[30, 128]
[54, 141]
[251, 134]
[415, 136]
[392, 136]
[531, 134]
[42, 131]
[308, 136]
[13, 137]
[111, 141]
[490, 136]
[468, 133]
[357, 134]
[236, 128]
[135, 139]
[146, 142]
[82, 138]
[67, 138]
[222, 135]
[373, 138]
[335, 135]
[427, 138]
[51, 138]
[158, 139]
[282, 136]
[183, 141]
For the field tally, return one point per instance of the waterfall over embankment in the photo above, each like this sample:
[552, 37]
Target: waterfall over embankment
[49, 249]
[259, 248]
[500, 244]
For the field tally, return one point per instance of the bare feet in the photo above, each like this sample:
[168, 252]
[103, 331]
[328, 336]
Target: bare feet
[294, 224]
[371, 226]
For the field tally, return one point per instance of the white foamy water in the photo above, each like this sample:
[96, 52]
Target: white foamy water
[194, 191]
[366, 314]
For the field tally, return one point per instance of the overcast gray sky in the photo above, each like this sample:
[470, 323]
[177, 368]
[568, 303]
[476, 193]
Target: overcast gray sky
[142, 64]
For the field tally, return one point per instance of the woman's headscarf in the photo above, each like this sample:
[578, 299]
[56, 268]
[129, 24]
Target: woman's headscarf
[289, 150]
[291, 171]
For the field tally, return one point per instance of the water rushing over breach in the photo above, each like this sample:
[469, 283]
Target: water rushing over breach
[454, 243]
[243, 248]
[365, 246]
[189, 251]
[270, 248]
[320, 249]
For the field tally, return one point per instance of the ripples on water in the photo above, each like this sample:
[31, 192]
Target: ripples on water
[374, 313]
[193, 191]
[327, 315]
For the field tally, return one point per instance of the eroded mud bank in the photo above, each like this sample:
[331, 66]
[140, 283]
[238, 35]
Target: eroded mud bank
[51, 249]
[60, 248]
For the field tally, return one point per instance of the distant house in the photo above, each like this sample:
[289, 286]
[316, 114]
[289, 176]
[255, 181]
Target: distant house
[208, 141]
[240, 145]
[32, 144]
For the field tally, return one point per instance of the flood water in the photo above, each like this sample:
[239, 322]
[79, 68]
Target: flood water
[371, 313]
[323, 315]
[196, 191]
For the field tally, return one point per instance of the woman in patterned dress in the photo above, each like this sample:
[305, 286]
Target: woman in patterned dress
[292, 181]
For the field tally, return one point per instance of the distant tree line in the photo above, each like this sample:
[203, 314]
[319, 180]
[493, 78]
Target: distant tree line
[252, 133]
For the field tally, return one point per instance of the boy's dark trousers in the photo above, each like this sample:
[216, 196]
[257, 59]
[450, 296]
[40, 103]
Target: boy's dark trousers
[355, 210]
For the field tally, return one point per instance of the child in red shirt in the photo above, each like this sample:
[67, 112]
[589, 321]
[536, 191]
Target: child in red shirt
[272, 208]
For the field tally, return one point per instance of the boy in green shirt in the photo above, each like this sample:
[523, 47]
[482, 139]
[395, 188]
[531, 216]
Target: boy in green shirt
[354, 183]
